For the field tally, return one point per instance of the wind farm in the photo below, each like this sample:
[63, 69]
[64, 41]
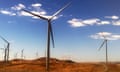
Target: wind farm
[62, 36]
[6, 49]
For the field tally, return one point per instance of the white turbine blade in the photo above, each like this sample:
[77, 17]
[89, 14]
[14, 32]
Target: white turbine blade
[51, 33]
[41, 17]
[60, 10]
[4, 39]
[102, 45]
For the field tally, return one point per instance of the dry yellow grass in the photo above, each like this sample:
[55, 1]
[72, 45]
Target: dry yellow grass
[56, 65]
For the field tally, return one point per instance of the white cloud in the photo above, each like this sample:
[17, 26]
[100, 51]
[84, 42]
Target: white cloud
[117, 23]
[18, 7]
[116, 36]
[91, 21]
[13, 14]
[104, 34]
[23, 13]
[94, 21]
[103, 22]
[112, 17]
[76, 22]
[80, 23]
[11, 22]
[107, 35]
[36, 5]
[4, 12]
[7, 12]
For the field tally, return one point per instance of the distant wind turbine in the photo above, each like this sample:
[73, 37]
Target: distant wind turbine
[105, 42]
[50, 32]
[22, 52]
[3, 49]
[6, 56]
[15, 56]
[36, 54]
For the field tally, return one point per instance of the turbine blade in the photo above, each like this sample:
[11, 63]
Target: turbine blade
[60, 10]
[4, 39]
[102, 45]
[41, 17]
[51, 33]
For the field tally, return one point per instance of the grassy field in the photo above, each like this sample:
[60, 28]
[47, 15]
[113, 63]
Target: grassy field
[56, 65]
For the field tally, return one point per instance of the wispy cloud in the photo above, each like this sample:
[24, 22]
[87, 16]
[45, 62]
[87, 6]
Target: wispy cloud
[112, 17]
[12, 11]
[6, 12]
[80, 23]
[18, 7]
[91, 21]
[117, 23]
[11, 22]
[103, 22]
[23, 13]
[36, 5]
[76, 22]
[107, 35]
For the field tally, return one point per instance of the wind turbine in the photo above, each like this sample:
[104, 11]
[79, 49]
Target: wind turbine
[105, 42]
[3, 52]
[50, 32]
[36, 54]
[22, 52]
[6, 56]
[15, 56]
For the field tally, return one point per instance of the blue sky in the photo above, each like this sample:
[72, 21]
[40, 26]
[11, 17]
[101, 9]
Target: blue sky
[77, 30]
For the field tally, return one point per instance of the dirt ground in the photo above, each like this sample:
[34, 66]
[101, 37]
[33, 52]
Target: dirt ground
[56, 65]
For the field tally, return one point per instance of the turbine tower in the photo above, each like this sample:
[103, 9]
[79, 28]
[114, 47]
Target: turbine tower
[105, 42]
[16, 55]
[7, 48]
[49, 33]
[22, 52]
[36, 54]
